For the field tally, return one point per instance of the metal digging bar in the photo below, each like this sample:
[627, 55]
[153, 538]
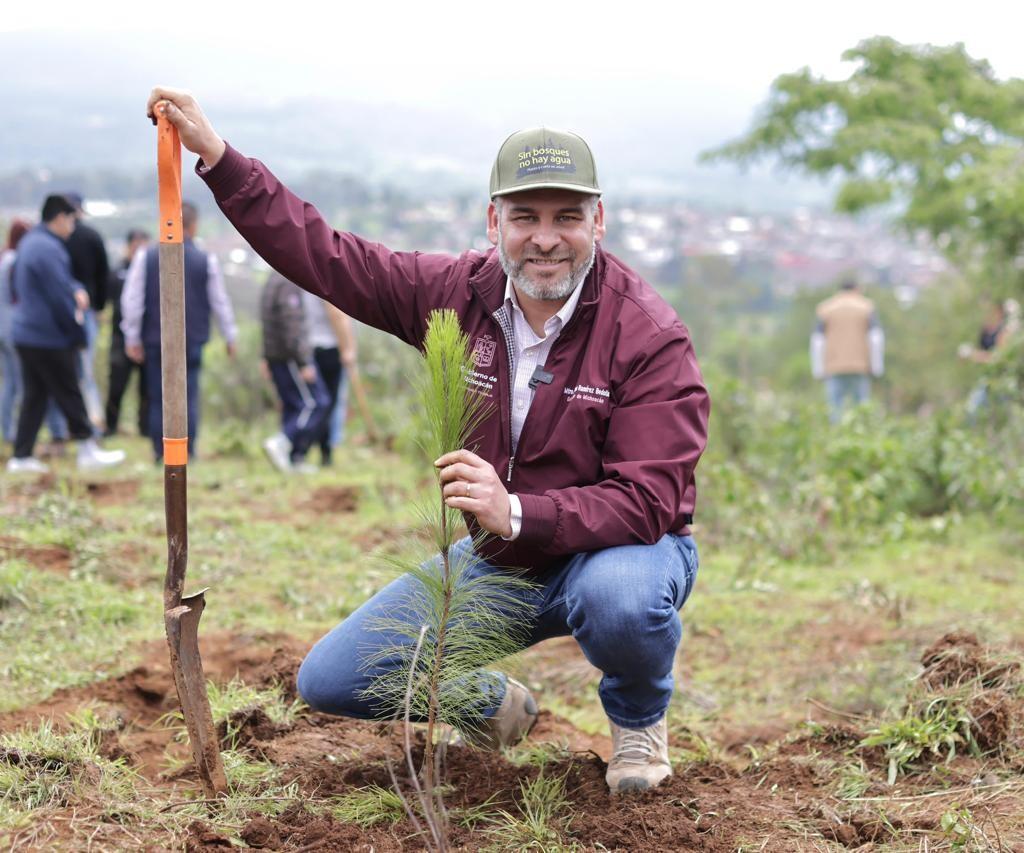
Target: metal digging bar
[181, 614]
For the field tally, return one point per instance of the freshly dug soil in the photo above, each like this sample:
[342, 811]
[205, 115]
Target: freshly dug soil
[48, 558]
[111, 492]
[331, 500]
[785, 799]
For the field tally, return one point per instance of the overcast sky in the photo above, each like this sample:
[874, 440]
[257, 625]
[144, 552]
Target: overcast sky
[530, 57]
[649, 84]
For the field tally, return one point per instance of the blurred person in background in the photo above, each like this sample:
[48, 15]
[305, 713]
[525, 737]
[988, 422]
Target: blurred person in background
[847, 347]
[334, 350]
[288, 361]
[205, 296]
[123, 368]
[90, 266]
[10, 392]
[1002, 319]
[48, 330]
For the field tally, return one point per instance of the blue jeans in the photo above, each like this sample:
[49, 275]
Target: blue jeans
[154, 391]
[853, 386]
[10, 393]
[621, 604]
[86, 374]
[339, 413]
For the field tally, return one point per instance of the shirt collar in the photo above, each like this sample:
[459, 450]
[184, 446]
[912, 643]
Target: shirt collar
[564, 314]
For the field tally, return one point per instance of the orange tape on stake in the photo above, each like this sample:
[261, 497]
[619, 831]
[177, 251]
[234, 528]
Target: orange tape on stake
[168, 162]
[175, 451]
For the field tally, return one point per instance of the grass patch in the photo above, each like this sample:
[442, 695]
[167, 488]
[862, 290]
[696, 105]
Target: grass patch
[941, 727]
[539, 818]
[368, 806]
[44, 768]
[538, 754]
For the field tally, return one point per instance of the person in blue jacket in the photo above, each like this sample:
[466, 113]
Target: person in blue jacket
[47, 331]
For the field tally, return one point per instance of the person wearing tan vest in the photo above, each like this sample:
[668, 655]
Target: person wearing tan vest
[847, 347]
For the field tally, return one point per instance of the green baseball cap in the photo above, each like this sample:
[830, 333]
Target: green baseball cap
[542, 158]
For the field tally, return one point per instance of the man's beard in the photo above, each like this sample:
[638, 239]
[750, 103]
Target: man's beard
[551, 291]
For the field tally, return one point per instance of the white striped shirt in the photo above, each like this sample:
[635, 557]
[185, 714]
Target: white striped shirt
[528, 353]
[133, 299]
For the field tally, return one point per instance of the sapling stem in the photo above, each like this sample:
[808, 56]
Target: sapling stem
[455, 620]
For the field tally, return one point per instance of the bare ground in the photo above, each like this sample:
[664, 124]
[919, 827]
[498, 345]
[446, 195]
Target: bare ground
[782, 797]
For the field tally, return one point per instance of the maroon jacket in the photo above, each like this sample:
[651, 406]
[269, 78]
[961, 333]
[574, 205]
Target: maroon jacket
[607, 454]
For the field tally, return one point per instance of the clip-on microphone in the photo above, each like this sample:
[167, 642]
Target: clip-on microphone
[540, 375]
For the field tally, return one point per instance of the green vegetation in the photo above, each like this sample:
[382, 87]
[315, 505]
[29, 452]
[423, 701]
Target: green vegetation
[43, 768]
[369, 806]
[232, 705]
[539, 819]
[929, 128]
[939, 729]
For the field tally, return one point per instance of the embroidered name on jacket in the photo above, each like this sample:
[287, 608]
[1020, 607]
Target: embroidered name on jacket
[481, 383]
[586, 392]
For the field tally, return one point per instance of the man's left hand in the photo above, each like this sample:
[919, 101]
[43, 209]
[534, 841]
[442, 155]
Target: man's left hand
[471, 484]
[232, 349]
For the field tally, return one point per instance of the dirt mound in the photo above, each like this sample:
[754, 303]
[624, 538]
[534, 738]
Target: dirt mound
[110, 492]
[147, 692]
[134, 705]
[330, 500]
[48, 558]
[958, 658]
[990, 685]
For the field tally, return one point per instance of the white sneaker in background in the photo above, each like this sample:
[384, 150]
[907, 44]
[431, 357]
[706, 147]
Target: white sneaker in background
[278, 449]
[91, 456]
[27, 465]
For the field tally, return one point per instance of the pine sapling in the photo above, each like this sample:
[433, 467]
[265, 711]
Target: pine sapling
[456, 620]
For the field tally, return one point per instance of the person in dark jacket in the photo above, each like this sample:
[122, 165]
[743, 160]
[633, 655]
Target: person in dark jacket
[47, 332]
[123, 368]
[205, 296]
[584, 471]
[288, 360]
[90, 266]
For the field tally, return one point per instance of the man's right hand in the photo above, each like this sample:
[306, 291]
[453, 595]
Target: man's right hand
[135, 352]
[195, 130]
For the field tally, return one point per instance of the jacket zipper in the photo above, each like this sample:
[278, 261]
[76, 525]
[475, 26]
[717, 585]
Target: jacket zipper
[511, 381]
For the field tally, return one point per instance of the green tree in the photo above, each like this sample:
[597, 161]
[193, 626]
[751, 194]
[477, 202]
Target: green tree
[928, 129]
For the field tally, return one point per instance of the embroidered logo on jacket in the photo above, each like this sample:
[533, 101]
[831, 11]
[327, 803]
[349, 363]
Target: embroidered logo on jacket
[587, 392]
[483, 351]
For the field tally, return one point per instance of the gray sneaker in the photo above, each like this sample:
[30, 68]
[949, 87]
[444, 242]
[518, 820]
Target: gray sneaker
[509, 724]
[639, 757]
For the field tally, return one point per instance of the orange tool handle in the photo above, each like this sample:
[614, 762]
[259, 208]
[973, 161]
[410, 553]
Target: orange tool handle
[168, 164]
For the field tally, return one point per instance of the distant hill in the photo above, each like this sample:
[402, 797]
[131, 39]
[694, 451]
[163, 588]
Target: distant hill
[84, 112]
